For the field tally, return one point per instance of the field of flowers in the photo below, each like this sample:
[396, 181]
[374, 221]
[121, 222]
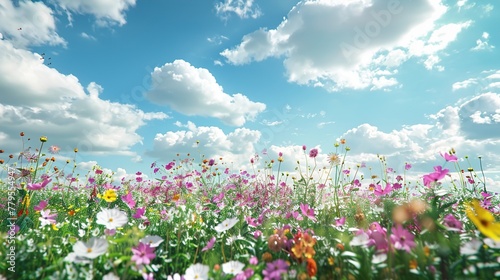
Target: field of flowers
[204, 221]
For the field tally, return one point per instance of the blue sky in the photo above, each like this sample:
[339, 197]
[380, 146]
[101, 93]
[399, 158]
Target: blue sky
[132, 82]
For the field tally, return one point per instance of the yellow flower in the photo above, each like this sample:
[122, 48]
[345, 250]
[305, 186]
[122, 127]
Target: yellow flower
[43, 139]
[483, 219]
[109, 195]
[54, 227]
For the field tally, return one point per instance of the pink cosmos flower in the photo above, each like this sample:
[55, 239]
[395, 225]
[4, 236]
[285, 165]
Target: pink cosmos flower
[452, 223]
[340, 222]
[402, 239]
[307, 211]
[438, 174]
[209, 245]
[143, 254]
[47, 218]
[380, 192]
[38, 186]
[41, 205]
[129, 200]
[449, 157]
[139, 213]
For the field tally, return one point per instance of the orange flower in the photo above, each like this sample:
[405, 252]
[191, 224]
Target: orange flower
[311, 266]
[413, 264]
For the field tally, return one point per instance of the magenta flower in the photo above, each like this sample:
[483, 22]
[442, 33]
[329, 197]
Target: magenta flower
[438, 174]
[139, 213]
[340, 222]
[41, 205]
[209, 245]
[129, 200]
[407, 166]
[143, 254]
[170, 165]
[380, 192]
[451, 222]
[449, 157]
[38, 186]
[275, 270]
[313, 153]
[402, 239]
[307, 211]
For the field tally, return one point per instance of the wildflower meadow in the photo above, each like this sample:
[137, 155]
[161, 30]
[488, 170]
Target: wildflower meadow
[196, 218]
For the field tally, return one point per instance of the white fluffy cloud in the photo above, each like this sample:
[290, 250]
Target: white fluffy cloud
[42, 101]
[28, 23]
[483, 43]
[194, 91]
[242, 8]
[471, 127]
[351, 44]
[236, 147]
[107, 12]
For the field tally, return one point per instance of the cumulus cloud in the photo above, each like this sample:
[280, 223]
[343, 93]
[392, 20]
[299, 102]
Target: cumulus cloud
[351, 44]
[235, 147]
[28, 24]
[242, 8]
[483, 43]
[471, 127]
[107, 12]
[194, 91]
[464, 84]
[45, 102]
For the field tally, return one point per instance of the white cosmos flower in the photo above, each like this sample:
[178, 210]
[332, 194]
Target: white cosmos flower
[232, 267]
[151, 240]
[360, 240]
[226, 225]
[74, 258]
[110, 276]
[379, 258]
[197, 271]
[471, 247]
[111, 218]
[492, 243]
[92, 248]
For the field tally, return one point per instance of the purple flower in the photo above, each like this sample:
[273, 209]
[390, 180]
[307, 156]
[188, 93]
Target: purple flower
[41, 205]
[402, 239]
[307, 211]
[275, 269]
[452, 222]
[143, 254]
[209, 245]
[340, 222]
[313, 153]
[449, 157]
[407, 166]
[170, 165]
[139, 213]
[438, 174]
[129, 200]
[38, 186]
[380, 192]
